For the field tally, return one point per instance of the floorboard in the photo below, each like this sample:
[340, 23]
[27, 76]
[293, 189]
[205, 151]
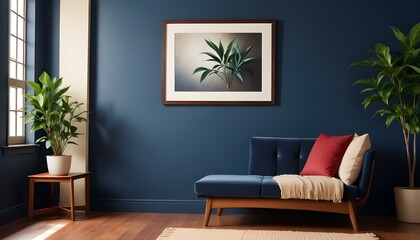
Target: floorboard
[148, 226]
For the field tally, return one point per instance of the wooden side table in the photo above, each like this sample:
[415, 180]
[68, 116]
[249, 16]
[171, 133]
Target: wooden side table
[47, 178]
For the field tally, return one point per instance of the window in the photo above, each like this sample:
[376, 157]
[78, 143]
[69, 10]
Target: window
[17, 69]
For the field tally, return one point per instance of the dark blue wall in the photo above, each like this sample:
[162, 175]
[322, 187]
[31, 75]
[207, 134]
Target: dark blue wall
[17, 164]
[145, 156]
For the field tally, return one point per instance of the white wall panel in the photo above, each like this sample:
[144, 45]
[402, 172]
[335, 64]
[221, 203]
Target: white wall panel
[74, 68]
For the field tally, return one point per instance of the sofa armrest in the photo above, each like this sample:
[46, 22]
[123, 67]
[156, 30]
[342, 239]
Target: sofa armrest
[365, 177]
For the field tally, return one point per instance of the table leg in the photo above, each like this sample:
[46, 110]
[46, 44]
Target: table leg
[52, 194]
[31, 199]
[72, 199]
[87, 194]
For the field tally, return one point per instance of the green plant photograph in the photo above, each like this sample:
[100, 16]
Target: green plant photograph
[218, 62]
[230, 62]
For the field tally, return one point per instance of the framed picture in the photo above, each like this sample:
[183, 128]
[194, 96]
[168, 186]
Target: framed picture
[218, 62]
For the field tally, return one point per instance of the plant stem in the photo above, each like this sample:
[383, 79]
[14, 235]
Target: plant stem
[407, 149]
[413, 169]
[221, 78]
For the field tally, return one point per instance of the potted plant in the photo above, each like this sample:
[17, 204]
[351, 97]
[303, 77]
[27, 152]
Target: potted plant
[53, 112]
[396, 88]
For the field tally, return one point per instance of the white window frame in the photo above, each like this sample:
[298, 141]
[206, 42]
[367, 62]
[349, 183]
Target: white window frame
[17, 63]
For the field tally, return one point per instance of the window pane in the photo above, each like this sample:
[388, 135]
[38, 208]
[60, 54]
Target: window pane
[20, 28]
[12, 98]
[12, 70]
[19, 99]
[13, 24]
[12, 47]
[19, 73]
[12, 123]
[17, 48]
[21, 8]
[13, 5]
[19, 125]
[20, 51]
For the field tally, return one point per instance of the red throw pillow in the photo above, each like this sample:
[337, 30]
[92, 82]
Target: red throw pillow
[326, 154]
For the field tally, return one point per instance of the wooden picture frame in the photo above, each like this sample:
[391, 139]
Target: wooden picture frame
[218, 62]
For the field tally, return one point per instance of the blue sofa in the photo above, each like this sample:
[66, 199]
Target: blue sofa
[271, 156]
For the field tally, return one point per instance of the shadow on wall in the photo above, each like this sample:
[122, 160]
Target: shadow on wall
[383, 182]
[105, 132]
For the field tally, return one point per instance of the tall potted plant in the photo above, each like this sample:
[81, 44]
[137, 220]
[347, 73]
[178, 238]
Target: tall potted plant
[396, 88]
[53, 112]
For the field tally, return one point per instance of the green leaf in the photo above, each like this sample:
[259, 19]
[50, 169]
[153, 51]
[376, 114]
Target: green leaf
[362, 82]
[228, 50]
[200, 69]
[368, 90]
[246, 52]
[41, 139]
[414, 35]
[239, 76]
[35, 128]
[80, 119]
[417, 69]
[221, 50]
[366, 62]
[73, 129]
[45, 78]
[40, 99]
[60, 93]
[47, 144]
[400, 36]
[35, 86]
[389, 120]
[32, 97]
[415, 52]
[57, 83]
[247, 60]
[212, 57]
[371, 99]
[204, 75]
[412, 128]
[212, 45]
[385, 95]
[383, 111]
[382, 52]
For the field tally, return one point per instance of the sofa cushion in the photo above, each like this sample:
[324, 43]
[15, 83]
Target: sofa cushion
[351, 164]
[270, 189]
[326, 154]
[241, 186]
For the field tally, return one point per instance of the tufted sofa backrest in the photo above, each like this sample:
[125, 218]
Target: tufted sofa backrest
[271, 156]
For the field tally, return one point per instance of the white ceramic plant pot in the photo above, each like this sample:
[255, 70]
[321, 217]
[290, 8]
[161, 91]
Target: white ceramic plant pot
[59, 165]
[407, 204]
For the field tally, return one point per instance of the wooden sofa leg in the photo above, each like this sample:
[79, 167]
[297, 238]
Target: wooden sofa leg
[208, 212]
[353, 214]
[219, 211]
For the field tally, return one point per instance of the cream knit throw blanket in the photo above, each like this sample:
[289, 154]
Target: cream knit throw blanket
[310, 187]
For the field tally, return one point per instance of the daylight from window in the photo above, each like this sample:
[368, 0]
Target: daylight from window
[17, 67]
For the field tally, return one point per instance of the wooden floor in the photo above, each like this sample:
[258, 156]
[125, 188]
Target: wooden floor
[128, 225]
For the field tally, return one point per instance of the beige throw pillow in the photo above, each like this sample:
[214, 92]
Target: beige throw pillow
[352, 161]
